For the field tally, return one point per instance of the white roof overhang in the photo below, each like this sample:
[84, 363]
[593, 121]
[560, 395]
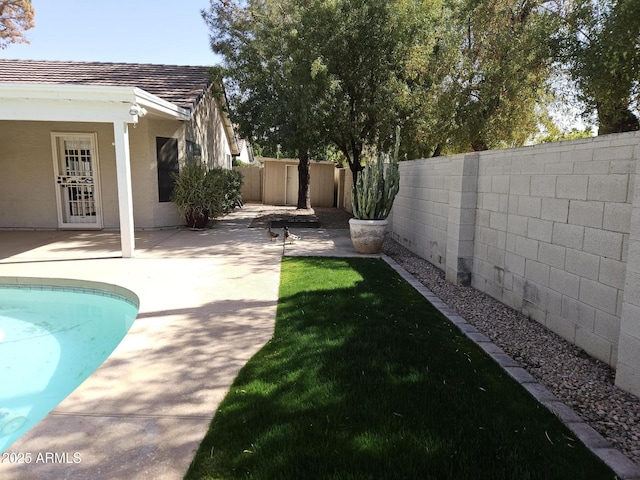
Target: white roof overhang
[82, 103]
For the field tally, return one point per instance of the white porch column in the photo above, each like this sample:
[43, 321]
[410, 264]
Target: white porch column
[125, 197]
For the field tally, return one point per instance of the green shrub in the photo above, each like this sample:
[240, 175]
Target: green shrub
[194, 191]
[232, 189]
[211, 192]
[227, 187]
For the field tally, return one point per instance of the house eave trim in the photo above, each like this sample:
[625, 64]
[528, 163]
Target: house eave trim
[150, 101]
[53, 102]
[226, 123]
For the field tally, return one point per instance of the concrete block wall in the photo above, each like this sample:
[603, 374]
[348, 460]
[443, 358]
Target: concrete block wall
[544, 245]
[421, 210]
[555, 234]
[628, 371]
[461, 219]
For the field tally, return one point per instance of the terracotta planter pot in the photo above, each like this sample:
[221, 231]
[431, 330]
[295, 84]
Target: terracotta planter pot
[197, 220]
[367, 236]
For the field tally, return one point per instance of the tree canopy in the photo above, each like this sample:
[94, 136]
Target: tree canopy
[602, 50]
[456, 75]
[309, 73]
[501, 73]
[269, 81]
[16, 16]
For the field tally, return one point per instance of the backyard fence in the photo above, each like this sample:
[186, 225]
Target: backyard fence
[551, 230]
[251, 183]
[276, 183]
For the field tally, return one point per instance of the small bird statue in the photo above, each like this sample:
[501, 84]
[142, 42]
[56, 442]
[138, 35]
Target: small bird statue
[271, 235]
[290, 237]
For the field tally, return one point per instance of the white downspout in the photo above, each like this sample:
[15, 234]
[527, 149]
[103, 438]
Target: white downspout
[125, 197]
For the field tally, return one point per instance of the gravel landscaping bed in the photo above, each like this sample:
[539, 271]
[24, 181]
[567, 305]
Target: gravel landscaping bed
[581, 382]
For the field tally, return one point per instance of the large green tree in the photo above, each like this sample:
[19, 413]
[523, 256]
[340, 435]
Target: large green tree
[457, 75]
[602, 51]
[268, 78]
[483, 82]
[309, 73]
[363, 52]
[501, 73]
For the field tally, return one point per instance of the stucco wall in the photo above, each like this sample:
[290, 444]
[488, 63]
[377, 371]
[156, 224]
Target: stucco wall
[547, 230]
[207, 130]
[27, 183]
[143, 142]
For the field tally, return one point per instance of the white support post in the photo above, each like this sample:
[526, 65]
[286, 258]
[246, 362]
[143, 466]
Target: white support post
[125, 197]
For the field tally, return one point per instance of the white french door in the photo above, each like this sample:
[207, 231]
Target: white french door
[75, 165]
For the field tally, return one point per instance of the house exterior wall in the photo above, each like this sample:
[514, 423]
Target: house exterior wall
[143, 140]
[246, 154]
[27, 183]
[550, 230]
[206, 128]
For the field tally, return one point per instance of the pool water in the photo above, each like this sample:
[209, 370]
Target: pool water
[51, 340]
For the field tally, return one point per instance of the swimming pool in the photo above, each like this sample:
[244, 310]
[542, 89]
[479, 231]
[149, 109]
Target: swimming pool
[52, 337]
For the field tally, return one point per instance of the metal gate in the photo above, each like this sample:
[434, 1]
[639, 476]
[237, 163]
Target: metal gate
[76, 170]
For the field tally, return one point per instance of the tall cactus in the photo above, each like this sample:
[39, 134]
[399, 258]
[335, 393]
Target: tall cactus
[376, 187]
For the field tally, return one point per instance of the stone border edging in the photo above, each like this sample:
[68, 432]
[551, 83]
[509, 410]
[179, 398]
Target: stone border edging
[623, 467]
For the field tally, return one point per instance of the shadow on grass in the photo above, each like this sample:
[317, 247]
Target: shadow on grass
[364, 379]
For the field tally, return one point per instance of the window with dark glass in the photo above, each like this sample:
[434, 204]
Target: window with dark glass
[194, 152]
[167, 155]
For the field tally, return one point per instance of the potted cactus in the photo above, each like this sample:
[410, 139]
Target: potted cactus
[372, 198]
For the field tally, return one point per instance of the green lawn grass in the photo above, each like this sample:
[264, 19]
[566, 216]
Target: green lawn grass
[364, 379]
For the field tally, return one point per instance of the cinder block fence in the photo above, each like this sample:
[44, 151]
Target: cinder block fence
[551, 230]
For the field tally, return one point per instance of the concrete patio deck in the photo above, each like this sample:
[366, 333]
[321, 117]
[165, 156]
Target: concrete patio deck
[207, 304]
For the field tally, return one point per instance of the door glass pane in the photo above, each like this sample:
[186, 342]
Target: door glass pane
[77, 184]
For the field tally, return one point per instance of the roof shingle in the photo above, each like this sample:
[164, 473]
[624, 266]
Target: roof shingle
[180, 85]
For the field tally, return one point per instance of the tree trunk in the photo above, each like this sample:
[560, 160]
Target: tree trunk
[355, 166]
[304, 177]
